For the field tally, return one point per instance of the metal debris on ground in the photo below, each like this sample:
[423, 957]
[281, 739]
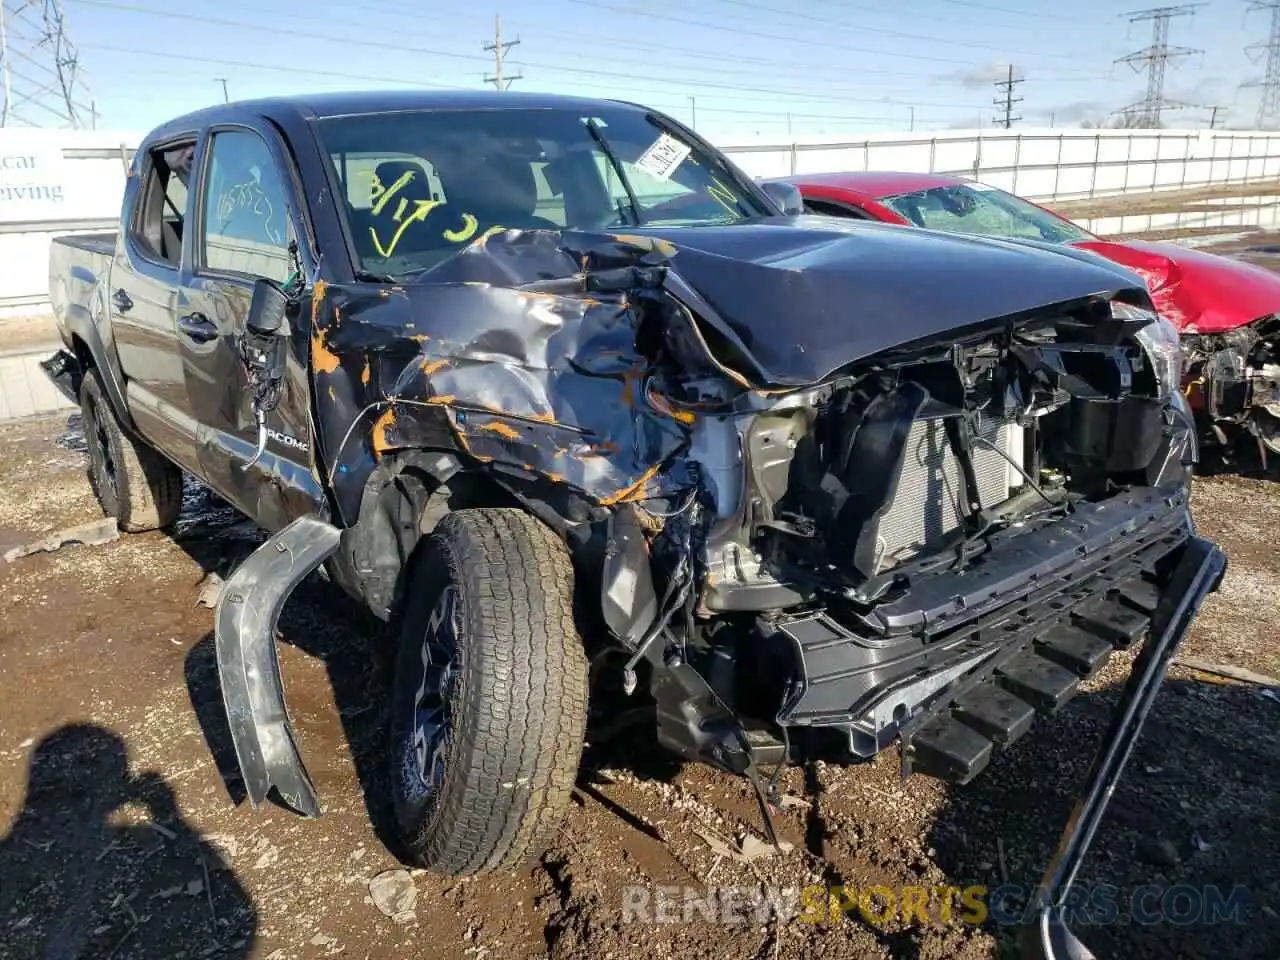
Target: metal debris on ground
[82, 534]
[210, 589]
[1229, 671]
[748, 850]
[394, 893]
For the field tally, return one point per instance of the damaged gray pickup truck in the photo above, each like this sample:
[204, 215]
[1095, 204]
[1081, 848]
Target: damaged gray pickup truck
[553, 385]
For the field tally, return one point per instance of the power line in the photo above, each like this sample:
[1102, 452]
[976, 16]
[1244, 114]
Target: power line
[630, 76]
[772, 37]
[1007, 101]
[40, 75]
[1146, 112]
[1269, 104]
[499, 50]
[864, 28]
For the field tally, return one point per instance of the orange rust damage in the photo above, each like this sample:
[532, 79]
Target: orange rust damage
[443, 398]
[502, 430]
[367, 373]
[323, 359]
[385, 422]
[431, 366]
[633, 491]
[317, 297]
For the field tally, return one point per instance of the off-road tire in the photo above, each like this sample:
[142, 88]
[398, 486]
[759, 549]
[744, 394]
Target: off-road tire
[134, 484]
[516, 694]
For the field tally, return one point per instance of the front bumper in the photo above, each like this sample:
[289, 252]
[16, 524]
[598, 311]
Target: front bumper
[957, 666]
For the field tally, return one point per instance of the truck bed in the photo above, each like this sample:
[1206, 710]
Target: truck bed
[100, 243]
[77, 265]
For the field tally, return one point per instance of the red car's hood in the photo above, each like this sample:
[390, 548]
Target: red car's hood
[1188, 287]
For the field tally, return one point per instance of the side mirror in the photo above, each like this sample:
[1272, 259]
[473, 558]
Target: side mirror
[785, 195]
[267, 309]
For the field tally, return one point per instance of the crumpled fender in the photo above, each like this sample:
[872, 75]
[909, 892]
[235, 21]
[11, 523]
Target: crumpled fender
[1204, 291]
[520, 351]
[248, 671]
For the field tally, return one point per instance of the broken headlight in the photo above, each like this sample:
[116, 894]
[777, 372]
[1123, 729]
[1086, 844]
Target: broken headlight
[1161, 343]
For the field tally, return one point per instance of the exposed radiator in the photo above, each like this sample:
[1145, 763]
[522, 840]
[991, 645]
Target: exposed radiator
[927, 504]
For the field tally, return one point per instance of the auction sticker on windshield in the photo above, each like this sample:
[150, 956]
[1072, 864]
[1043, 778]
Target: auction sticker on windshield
[663, 157]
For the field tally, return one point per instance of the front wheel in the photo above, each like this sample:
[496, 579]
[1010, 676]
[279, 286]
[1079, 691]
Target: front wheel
[490, 699]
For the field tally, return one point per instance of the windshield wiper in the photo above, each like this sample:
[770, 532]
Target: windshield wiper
[594, 129]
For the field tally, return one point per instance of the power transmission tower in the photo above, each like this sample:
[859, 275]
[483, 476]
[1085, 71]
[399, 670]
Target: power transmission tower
[39, 68]
[1007, 101]
[1269, 105]
[499, 50]
[1146, 112]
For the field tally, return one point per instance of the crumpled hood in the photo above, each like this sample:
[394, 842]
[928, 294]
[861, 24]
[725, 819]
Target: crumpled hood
[1207, 292]
[807, 295]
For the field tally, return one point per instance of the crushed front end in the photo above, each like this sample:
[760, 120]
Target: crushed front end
[930, 548]
[1233, 381]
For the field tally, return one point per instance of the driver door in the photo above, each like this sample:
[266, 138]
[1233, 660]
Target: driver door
[245, 230]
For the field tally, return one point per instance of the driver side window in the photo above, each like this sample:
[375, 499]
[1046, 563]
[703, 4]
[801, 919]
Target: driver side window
[245, 227]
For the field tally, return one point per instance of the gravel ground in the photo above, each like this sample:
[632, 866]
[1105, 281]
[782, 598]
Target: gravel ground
[126, 837]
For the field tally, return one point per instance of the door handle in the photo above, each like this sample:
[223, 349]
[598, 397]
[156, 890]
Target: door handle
[122, 301]
[198, 327]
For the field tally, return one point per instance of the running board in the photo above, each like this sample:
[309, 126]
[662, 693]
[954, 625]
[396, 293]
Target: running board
[249, 670]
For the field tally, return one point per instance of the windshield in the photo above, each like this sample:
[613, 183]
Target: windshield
[419, 186]
[978, 209]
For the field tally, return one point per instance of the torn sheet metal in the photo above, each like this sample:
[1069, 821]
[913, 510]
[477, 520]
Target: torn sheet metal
[520, 351]
[532, 349]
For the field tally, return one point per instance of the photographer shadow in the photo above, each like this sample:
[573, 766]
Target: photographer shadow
[100, 863]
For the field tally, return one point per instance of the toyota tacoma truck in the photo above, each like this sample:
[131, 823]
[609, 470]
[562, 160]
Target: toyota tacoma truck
[555, 387]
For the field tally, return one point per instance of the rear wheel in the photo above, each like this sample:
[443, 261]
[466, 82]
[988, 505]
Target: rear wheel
[132, 482]
[490, 699]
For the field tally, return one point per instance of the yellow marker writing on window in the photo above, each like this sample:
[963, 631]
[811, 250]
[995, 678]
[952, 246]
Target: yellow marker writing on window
[723, 196]
[422, 208]
[469, 226]
[381, 194]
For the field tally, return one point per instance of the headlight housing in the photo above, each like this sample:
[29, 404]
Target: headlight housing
[1161, 343]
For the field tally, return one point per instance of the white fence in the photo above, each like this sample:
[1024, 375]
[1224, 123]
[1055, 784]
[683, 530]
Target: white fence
[55, 182]
[1039, 164]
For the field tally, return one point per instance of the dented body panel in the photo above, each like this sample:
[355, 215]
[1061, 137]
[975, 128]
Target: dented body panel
[522, 350]
[878, 485]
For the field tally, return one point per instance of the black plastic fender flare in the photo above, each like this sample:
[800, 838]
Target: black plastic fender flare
[1198, 574]
[81, 322]
[249, 669]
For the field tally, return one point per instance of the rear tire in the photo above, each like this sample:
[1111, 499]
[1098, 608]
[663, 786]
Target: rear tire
[132, 482]
[490, 700]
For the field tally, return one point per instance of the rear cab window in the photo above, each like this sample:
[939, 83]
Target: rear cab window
[158, 220]
[419, 186]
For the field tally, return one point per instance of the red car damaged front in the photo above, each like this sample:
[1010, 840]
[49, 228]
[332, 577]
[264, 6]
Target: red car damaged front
[1226, 310]
[1228, 314]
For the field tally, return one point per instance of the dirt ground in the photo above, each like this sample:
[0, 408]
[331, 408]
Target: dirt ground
[123, 831]
[126, 837]
[1188, 200]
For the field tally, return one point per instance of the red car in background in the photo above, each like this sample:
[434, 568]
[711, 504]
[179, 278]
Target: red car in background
[1227, 311]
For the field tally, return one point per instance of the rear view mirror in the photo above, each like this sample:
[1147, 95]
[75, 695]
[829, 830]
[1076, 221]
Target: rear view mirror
[785, 195]
[267, 309]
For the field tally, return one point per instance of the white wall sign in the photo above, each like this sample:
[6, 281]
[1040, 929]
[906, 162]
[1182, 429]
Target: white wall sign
[32, 182]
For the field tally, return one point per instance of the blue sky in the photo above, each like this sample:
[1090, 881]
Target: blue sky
[754, 68]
